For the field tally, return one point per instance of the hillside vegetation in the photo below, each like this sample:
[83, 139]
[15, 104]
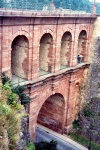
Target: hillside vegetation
[12, 101]
[81, 5]
[38, 4]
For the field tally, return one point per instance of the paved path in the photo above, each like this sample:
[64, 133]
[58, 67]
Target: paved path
[64, 143]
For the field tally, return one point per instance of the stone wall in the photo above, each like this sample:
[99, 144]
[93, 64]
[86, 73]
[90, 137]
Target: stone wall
[52, 112]
[94, 72]
[46, 54]
[67, 84]
[33, 29]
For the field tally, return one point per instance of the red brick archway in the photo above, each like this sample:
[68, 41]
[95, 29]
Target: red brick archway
[82, 41]
[52, 113]
[45, 53]
[65, 51]
[19, 56]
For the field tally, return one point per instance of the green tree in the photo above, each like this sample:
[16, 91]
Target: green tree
[2, 3]
[89, 121]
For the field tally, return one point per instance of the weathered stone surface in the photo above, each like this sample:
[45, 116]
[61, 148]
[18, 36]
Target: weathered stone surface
[42, 52]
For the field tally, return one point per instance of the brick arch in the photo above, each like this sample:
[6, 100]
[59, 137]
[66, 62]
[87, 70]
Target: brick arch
[26, 61]
[67, 30]
[52, 112]
[46, 53]
[65, 51]
[83, 29]
[46, 31]
[19, 56]
[82, 46]
[21, 32]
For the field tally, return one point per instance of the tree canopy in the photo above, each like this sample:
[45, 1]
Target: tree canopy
[38, 4]
[73, 4]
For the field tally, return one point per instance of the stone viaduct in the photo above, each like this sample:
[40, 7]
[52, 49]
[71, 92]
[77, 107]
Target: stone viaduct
[42, 51]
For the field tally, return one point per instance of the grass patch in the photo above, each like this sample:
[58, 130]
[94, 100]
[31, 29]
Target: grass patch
[84, 141]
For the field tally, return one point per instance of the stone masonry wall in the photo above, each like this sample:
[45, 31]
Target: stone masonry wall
[65, 84]
[94, 72]
[59, 81]
[52, 112]
[33, 29]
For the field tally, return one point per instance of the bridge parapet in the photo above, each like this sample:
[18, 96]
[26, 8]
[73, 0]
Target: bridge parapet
[55, 13]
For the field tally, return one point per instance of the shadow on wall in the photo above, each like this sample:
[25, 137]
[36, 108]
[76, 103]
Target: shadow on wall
[19, 57]
[52, 113]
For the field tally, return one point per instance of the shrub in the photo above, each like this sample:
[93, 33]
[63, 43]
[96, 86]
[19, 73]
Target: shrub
[5, 78]
[76, 124]
[10, 118]
[30, 146]
[88, 112]
[52, 145]
[20, 91]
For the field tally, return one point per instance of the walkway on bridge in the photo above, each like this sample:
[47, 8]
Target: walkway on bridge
[64, 142]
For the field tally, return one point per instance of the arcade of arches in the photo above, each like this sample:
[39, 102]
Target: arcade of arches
[20, 48]
[45, 50]
[53, 112]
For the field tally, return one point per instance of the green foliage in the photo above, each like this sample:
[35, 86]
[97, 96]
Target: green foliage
[12, 91]
[43, 145]
[9, 121]
[76, 124]
[89, 123]
[30, 146]
[52, 145]
[84, 141]
[25, 99]
[99, 113]
[10, 116]
[38, 4]
[20, 91]
[1, 3]
[88, 112]
[4, 78]
[12, 97]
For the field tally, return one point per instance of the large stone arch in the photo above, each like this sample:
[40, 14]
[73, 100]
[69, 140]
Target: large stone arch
[82, 46]
[65, 52]
[45, 53]
[19, 56]
[52, 112]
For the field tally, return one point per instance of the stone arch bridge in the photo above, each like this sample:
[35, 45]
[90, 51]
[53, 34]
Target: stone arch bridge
[49, 54]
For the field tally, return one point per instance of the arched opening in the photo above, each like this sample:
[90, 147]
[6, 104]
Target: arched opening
[45, 54]
[82, 40]
[66, 44]
[19, 57]
[51, 114]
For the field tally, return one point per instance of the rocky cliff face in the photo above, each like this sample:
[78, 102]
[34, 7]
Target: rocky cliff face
[94, 73]
[24, 134]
